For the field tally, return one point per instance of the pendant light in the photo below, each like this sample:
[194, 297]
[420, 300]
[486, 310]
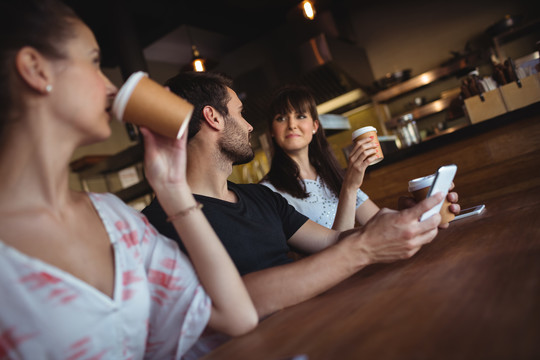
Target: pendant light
[197, 61]
[308, 9]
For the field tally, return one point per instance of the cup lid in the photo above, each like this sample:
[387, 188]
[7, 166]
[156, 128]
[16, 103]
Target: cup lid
[421, 183]
[121, 99]
[362, 130]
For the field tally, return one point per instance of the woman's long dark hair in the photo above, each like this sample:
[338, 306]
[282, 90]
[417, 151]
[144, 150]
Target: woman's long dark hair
[284, 173]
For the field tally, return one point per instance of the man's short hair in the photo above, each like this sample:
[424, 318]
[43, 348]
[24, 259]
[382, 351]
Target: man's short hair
[201, 89]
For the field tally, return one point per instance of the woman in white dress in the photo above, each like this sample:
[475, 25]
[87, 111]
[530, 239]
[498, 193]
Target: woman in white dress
[305, 171]
[82, 275]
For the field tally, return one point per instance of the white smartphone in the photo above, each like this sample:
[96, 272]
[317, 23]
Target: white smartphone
[442, 182]
[475, 210]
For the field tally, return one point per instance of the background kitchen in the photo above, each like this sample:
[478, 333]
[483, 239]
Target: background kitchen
[354, 54]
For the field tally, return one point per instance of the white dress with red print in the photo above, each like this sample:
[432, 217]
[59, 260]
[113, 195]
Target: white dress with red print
[158, 310]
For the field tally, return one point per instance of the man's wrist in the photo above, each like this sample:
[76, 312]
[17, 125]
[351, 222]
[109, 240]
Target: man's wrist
[351, 243]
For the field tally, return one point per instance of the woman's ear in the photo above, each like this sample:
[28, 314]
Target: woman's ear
[316, 124]
[33, 68]
[213, 118]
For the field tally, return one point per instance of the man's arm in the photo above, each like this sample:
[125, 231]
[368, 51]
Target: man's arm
[388, 236]
[275, 288]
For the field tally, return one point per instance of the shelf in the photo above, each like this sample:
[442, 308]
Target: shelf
[135, 191]
[512, 34]
[103, 165]
[113, 163]
[421, 80]
[86, 162]
[517, 32]
[422, 111]
[445, 132]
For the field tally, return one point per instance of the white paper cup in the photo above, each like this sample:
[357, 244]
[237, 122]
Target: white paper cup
[419, 189]
[421, 183]
[365, 132]
[143, 102]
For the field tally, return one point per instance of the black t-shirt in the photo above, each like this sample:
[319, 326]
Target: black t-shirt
[254, 230]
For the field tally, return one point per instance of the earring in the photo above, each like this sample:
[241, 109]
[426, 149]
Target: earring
[314, 131]
[48, 88]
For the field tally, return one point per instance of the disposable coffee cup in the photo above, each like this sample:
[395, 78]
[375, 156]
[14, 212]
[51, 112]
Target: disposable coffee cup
[419, 189]
[143, 102]
[366, 132]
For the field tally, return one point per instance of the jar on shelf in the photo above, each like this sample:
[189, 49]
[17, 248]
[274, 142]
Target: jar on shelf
[407, 131]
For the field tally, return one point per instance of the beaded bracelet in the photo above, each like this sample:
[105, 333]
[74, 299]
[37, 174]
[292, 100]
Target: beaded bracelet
[184, 212]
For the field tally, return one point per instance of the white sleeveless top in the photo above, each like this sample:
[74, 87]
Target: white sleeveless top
[321, 204]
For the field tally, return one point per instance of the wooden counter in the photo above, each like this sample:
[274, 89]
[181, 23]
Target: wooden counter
[473, 293]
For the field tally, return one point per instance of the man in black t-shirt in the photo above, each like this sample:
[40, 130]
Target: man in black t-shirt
[258, 227]
[254, 230]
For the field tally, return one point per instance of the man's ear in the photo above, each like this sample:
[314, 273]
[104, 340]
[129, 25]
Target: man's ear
[213, 118]
[33, 68]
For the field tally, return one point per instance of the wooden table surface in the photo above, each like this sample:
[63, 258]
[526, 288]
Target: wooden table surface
[473, 293]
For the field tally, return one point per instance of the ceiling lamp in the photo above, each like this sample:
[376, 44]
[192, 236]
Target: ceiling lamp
[308, 9]
[198, 62]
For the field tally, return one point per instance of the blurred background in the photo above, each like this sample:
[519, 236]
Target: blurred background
[368, 63]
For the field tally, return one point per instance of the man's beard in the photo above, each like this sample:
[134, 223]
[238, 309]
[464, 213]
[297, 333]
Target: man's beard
[234, 144]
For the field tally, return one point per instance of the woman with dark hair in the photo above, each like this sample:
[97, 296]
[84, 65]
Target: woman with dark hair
[304, 169]
[83, 274]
